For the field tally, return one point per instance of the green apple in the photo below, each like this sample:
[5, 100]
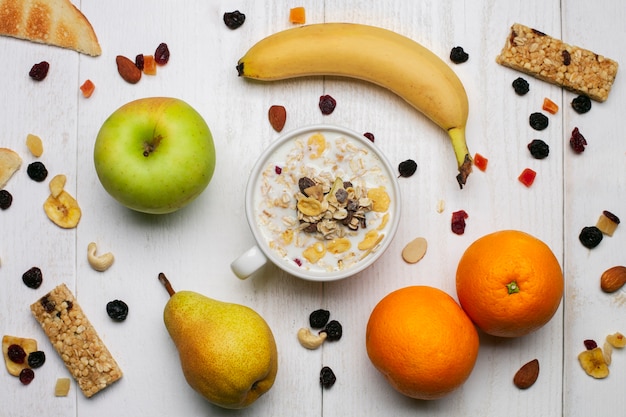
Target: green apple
[154, 155]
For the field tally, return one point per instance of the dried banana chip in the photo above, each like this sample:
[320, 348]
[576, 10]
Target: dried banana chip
[617, 340]
[594, 363]
[63, 210]
[57, 184]
[29, 345]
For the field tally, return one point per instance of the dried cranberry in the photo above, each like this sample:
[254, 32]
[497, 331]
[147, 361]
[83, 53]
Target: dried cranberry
[458, 222]
[538, 121]
[33, 277]
[520, 86]
[319, 318]
[278, 170]
[298, 262]
[590, 344]
[581, 104]
[327, 377]
[235, 19]
[333, 330]
[162, 54]
[36, 359]
[39, 71]
[6, 199]
[407, 168]
[590, 237]
[538, 149]
[327, 104]
[577, 141]
[16, 353]
[139, 61]
[369, 135]
[26, 376]
[458, 55]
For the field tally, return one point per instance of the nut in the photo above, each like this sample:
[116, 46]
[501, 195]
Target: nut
[415, 250]
[101, 262]
[613, 279]
[310, 340]
[127, 69]
[527, 375]
[277, 116]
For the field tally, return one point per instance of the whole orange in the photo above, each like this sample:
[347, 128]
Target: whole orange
[421, 340]
[509, 283]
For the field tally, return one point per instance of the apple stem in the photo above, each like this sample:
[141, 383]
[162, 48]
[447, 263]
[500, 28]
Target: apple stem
[163, 280]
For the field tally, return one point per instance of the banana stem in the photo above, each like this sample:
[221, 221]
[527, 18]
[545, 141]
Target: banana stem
[166, 283]
[463, 158]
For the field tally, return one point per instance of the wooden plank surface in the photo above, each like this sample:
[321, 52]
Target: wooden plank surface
[195, 246]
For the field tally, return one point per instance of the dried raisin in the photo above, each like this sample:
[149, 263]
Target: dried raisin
[327, 377]
[278, 170]
[162, 54]
[39, 71]
[538, 121]
[458, 55]
[520, 86]
[407, 168]
[590, 344]
[16, 353]
[327, 104]
[333, 330]
[234, 19]
[37, 171]
[590, 237]
[139, 61]
[538, 149]
[458, 222]
[577, 141]
[117, 310]
[581, 104]
[319, 318]
[369, 135]
[33, 277]
[26, 376]
[6, 199]
[36, 359]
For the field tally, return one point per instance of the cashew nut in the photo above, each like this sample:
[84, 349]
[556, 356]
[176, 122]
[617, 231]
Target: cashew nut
[101, 262]
[310, 340]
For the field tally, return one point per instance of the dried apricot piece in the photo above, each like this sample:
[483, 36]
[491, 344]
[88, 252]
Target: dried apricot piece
[550, 106]
[593, 362]
[297, 15]
[87, 88]
[149, 65]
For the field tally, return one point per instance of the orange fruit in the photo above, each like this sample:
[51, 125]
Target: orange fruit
[509, 283]
[421, 340]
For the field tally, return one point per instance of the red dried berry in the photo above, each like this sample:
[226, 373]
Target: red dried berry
[16, 353]
[577, 141]
[162, 54]
[26, 376]
[327, 104]
[369, 135]
[39, 71]
[139, 62]
[278, 170]
[458, 222]
[298, 262]
[590, 344]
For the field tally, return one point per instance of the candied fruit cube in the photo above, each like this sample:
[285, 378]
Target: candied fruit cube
[550, 106]
[297, 15]
[87, 88]
[149, 65]
[480, 162]
[527, 177]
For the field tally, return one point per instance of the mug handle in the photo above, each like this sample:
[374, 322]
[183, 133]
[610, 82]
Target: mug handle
[248, 263]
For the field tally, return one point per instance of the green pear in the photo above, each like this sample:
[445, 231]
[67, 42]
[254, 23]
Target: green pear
[227, 351]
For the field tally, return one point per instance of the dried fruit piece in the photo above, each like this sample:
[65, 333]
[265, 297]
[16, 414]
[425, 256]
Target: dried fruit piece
[277, 116]
[63, 210]
[613, 279]
[480, 162]
[617, 340]
[87, 88]
[581, 104]
[327, 377]
[327, 104]
[415, 250]
[6, 199]
[526, 376]
[139, 61]
[28, 345]
[32, 278]
[34, 145]
[127, 69]
[62, 387]
[590, 237]
[577, 141]
[538, 149]
[149, 65]
[369, 135]
[234, 20]
[458, 55]
[10, 162]
[607, 223]
[297, 15]
[37, 171]
[319, 318]
[317, 144]
[520, 86]
[117, 310]
[26, 376]
[592, 361]
[590, 344]
[39, 71]
[538, 121]
[527, 177]
[333, 330]
[310, 206]
[16, 354]
[407, 168]
[550, 106]
[36, 359]
[57, 184]
[162, 54]
[607, 351]
[458, 222]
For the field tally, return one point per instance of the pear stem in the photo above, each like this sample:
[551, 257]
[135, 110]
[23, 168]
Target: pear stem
[166, 283]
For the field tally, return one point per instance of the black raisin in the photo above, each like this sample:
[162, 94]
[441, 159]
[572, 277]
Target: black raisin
[162, 54]
[538, 149]
[37, 171]
[369, 135]
[520, 86]
[567, 58]
[6, 199]
[39, 71]
[140, 61]
[36, 359]
[47, 304]
[26, 376]
[327, 377]
[117, 310]
[16, 353]
[234, 19]
[590, 237]
[33, 277]
[590, 344]
[407, 168]
[319, 318]
[538, 121]
[333, 330]
[327, 104]
[577, 141]
[581, 104]
[458, 55]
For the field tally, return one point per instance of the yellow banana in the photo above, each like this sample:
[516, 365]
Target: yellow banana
[372, 54]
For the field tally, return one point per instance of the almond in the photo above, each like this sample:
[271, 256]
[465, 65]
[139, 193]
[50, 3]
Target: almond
[278, 117]
[613, 279]
[127, 69]
[527, 375]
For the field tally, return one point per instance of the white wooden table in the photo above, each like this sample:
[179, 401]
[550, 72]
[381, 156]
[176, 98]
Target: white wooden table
[195, 246]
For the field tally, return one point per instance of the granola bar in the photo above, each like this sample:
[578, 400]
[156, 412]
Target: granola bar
[76, 341]
[576, 69]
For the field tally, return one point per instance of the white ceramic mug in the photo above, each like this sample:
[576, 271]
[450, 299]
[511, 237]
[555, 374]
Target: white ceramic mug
[263, 185]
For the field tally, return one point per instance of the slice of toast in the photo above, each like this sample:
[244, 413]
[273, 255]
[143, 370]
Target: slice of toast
[10, 162]
[51, 22]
